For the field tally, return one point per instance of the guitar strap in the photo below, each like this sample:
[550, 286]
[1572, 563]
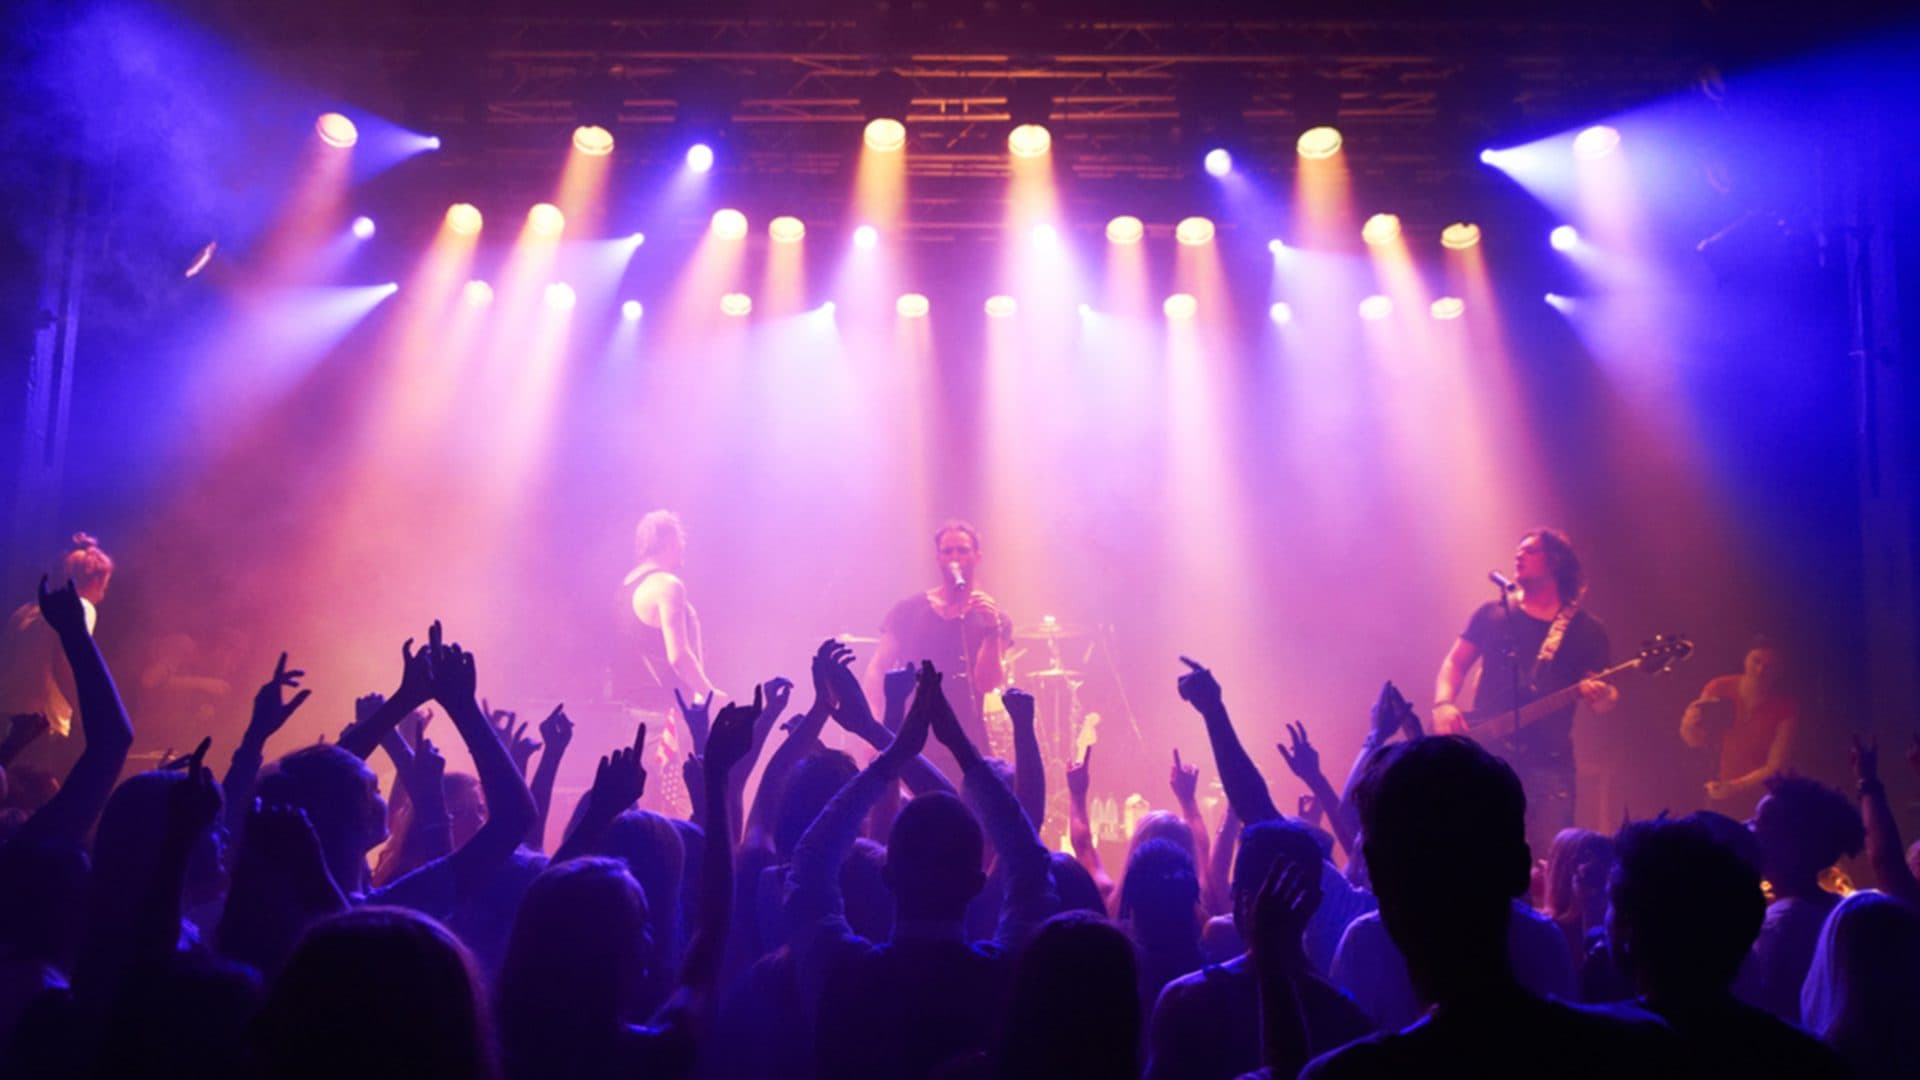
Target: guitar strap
[1556, 632]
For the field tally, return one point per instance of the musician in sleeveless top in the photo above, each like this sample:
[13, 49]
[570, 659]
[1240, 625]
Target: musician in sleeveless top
[1549, 586]
[662, 649]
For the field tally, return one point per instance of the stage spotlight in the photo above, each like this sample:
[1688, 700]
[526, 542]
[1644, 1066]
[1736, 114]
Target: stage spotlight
[545, 219]
[363, 227]
[1194, 231]
[593, 140]
[1447, 307]
[911, 306]
[1085, 310]
[700, 157]
[1180, 306]
[433, 142]
[786, 230]
[1280, 312]
[1029, 141]
[1376, 307]
[729, 224]
[886, 135]
[1218, 162]
[1460, 236]
[1562, 304]
[1595, 142]
[1045, 235]
[631, 311]
[560, 297]
[1564, 238]
[1276, 246]
[826, 310]
[866, 236]
[638, 239]
[1318, 143]
[1381, 229]
[1001, 307]
[463, 218]
[736, 304]
[1125, 229]
[336, 130]
[477, 293]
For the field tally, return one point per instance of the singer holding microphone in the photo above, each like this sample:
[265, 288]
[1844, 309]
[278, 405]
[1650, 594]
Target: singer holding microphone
[954, 624]
[1533, 640]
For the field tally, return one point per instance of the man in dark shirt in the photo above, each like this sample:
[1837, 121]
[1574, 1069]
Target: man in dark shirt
[957, 626]
[1510, 643]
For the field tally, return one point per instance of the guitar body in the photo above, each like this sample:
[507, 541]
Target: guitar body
[1654, 657]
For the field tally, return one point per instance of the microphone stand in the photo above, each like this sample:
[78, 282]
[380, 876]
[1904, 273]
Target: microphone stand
[1513, 658]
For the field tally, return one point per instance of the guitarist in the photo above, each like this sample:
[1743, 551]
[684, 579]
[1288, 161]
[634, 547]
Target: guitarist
[1547, 643]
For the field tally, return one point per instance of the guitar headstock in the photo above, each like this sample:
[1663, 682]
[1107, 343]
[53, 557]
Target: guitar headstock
[1663, 652]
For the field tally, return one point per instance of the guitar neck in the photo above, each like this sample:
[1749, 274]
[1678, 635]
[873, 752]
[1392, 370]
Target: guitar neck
[1542, 706]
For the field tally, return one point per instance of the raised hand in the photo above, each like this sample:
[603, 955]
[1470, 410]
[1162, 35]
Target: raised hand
[696, 715]
[779, 691]
[270, 708]
[912, 737]
[897, 686]
[520, 748]
[822, 671]
[1198, 687]
[62, 608]
[556, 731]
[429, 767]
[693, 773]
[365, 705]
[1019, 706]
[454, 677]
[1079, 776]
[732, 735]
[1302, 758]
[1385, 719]
[1864, 756]
[1286, 901]
[946, 725]
[1184, 779]
[194, 804]
[620, 779]
[416, 671]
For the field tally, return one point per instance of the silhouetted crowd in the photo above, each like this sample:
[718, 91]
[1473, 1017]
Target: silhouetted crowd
[887, 919]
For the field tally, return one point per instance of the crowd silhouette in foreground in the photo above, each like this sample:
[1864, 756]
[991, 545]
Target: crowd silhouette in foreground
[880, 918]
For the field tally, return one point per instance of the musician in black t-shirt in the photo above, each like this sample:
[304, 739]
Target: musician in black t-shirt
[1513, 649]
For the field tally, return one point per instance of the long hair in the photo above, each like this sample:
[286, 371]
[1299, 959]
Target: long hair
[656, 528]
[1572, 849]
[1568, 575]
[1863, 987]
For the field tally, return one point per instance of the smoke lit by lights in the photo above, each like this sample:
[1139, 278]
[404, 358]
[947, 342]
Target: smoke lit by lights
[560, 296]
[1376, 307]
[1595, 142]
[477, 293]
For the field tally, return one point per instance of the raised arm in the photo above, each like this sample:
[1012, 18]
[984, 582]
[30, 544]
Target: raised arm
[1029, 771]
[1184, 779]
[67, 817]
[556, 731]
[1304, 760]
[803, 737]
[728, 744]
[1281, 910]
[415, 690]
[271, 709]
[1220, 868]
[1246, 789]
[618, 783]
[1884, 850]
[1447, 717]
[1080, 826]
[850, 709]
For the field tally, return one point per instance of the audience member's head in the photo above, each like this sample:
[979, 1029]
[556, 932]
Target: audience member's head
[1075, 886]
[1263, 844]
[1445, 840]
[89, 567]
[377, 992]
[1073, 1010]
[1803, 827]
[650, 847]
[1862, 994]
[1160, 893]
[577, 964]
[1577, 868]
[342, 800]
[813, 783]
[933, 858]
[1163, 825]
[128, 842]
[466, 805]
[1684, 909]
[864, 893]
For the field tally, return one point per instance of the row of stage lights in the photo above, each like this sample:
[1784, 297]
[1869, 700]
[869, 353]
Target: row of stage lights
[560, 296]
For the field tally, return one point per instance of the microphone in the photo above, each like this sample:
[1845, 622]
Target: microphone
[1504, 583]
[957, 579]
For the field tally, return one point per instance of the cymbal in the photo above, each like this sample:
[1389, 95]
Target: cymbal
[1051, 672]
[1051, 628]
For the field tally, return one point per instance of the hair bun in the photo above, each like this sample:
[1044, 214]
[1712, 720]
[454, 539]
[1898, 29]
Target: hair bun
[82, 541]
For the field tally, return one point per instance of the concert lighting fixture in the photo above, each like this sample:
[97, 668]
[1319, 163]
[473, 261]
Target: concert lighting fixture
[545, 219]
[433, 142]
[560, 297]
[336, 130]
[866, 236]
[1381, 229]
[1045, 235]
[463, 219]
[736, 304]
[1218, 162]
[1001, 307]
[1276, 245]
[1447, 307]
[593, 140]
[826, 310]
[911, 306]
[1180, 306]
[1317, 144]
[1125, 229]
[1595, 142]
[1564, 238]
[631, 311]
[700, 157]
[786, 230]
[1460, 236]
[1376, 307]
[1280, 312]
[477, 293]
[729, 224]
[363, 227]
[886, 135]
[1085, 310]
[1194, 231]
[1029, 141]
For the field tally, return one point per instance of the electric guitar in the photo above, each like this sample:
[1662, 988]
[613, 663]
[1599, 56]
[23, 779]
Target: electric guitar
[1654, 657]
